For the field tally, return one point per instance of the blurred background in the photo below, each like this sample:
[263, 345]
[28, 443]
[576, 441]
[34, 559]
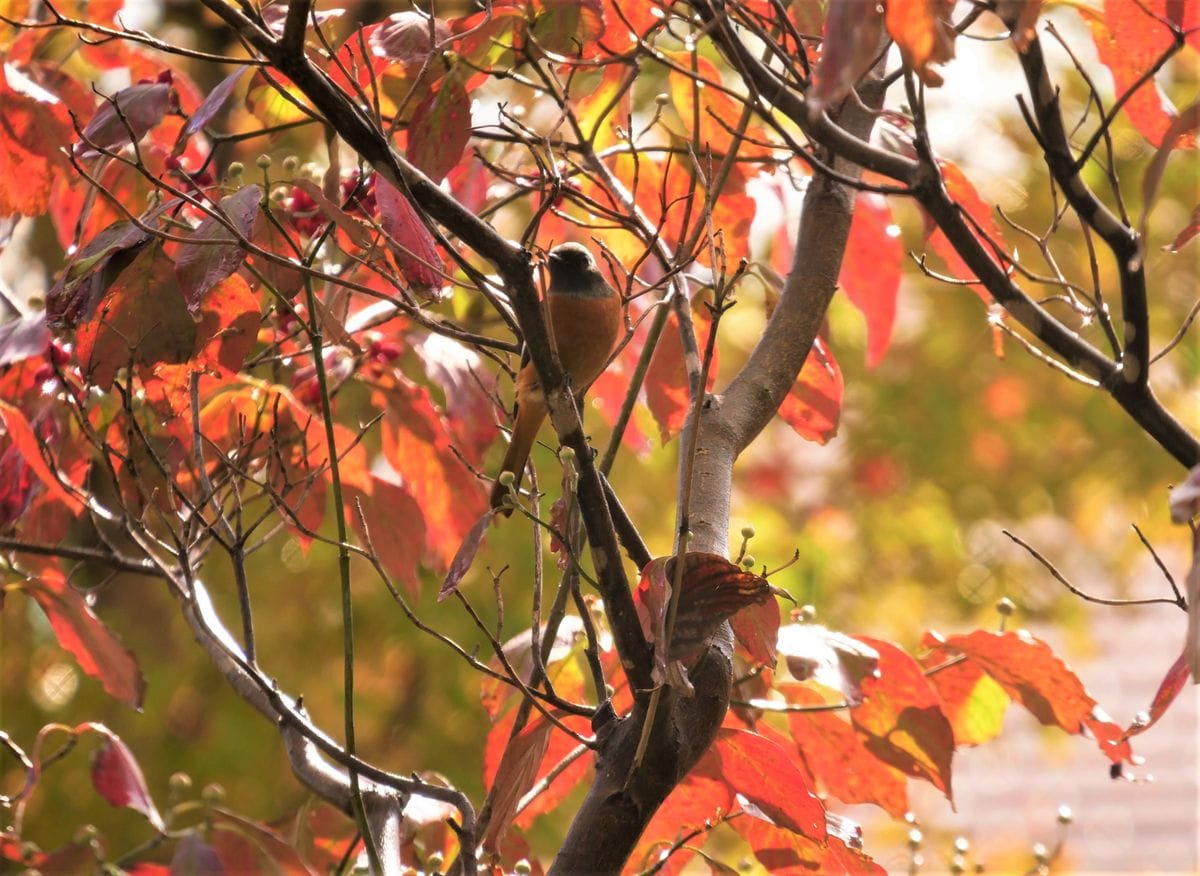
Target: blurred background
[897, 520]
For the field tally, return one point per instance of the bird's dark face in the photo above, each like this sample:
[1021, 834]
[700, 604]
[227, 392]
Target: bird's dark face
[574, 271]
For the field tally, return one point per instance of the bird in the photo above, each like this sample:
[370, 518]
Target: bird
[585, 319]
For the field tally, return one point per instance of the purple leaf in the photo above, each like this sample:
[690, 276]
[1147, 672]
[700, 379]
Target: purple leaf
[462, 561]
[24, 337]
[410, 240]
[200, 266]
[131, 111]
[213, 103]
[440, 129]
[404, 37]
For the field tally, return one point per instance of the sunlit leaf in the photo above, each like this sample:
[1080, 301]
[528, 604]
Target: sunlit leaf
[831, 659]
[126, 117]
[34, 126]
[837, 756]
[93, 645]
[902, 718]
[766, 775]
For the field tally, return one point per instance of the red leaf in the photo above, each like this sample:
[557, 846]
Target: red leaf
[766, 775]
[666, 377]
[217, 254]
[902, 719]
[405, 37]
[814, 406]
[756, 628]
[784, 853]
[831, 659]
[35, 126]
[1186, 233]
[1173, 682]
[143, 319]
[1028, 671]
[126, 117]
[837, 757]
[712, 590]
[702, 795]
[870, 274]
[409, 239]
[77, 292]
[439, 129]
[980, 220]
[215, 100]
[97, 650]
[1130, 38]
[397, 528]
[118, 778]
[255, 844]
[468, 387]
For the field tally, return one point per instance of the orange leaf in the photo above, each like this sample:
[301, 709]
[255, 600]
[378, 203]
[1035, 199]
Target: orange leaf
[1028, 671]
[837, 757]
[34, 125]
[902, 718]
[971, 699]
[667, 379]
[923, 34]
[25, 441]
[417, 444]
[228, 328]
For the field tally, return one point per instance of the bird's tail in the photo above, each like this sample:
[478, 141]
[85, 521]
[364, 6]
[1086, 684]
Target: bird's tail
[525, 429]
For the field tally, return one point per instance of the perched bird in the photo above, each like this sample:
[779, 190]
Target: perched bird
[585, 320]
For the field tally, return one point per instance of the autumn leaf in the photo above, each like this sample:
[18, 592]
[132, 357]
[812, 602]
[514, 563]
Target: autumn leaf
[1130, 37]
[1028, 671]
[813, 407]
[143, 319]
[902, 719]
[831, 659]
[440, 129]
[766, 775]
[852, 42]
[837, 757]
[126, 117]
[410, 241]
[667, 377]
[871, 266]
[216, 252]
[922, 31]
[118, 778]
[93, 645]
[35, 127]
[971, 699]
